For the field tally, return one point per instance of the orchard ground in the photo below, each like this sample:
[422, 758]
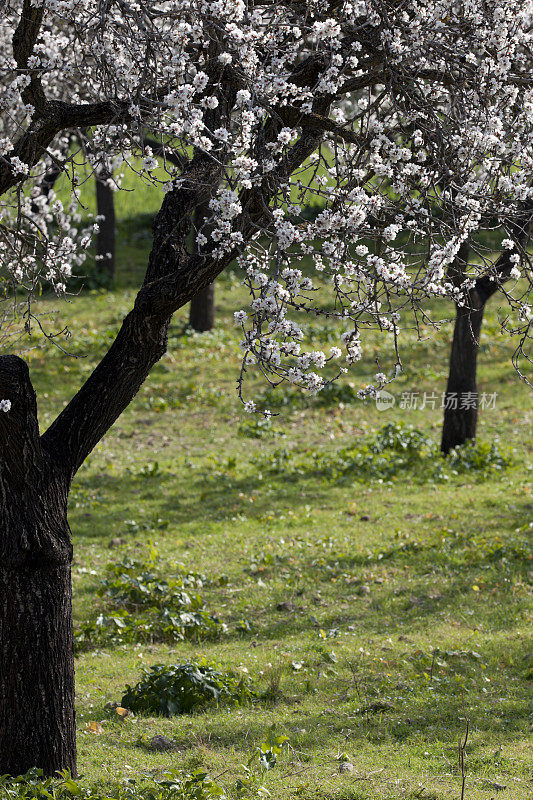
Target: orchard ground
[383, 613]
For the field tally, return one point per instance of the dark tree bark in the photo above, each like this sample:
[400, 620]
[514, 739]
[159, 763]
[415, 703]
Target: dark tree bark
[48, 182]
[105, 242]
[50, 179]
[158, 149]
[459, 423]
[461, 399]
[37, 721]
[53, 172]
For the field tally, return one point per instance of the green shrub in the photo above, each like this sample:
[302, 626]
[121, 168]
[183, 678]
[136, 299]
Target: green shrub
[402, 439]
[151, 626]
[134, 584]
[140, 605]
[393, 450]
[173, 785]
[182, 688]
[477, 456]
[258, 428]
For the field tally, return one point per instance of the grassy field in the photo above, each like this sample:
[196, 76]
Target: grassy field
[377, 607]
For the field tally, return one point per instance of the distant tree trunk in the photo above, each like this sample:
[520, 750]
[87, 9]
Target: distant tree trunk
[50, 179]
[48, 183]
[461, 399]
[37, 718]
[202, 308]
[105, 242]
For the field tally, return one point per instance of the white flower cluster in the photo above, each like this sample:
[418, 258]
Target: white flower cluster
[43, 240]
[353, 154]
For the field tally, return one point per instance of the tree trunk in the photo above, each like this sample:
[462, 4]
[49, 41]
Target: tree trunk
[48, 183]
[37, 721]
[49, 180]
[202, 309]
[461, 399]
[37, 718]
[105, 242]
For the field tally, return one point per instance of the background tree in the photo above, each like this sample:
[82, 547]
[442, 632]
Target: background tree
[105, 207]
[202, 308]
[411, 125]
[460, 419]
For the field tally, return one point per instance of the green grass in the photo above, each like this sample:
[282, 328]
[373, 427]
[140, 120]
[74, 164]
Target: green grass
[378, 614]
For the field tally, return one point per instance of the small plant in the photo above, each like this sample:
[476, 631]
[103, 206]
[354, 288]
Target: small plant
[477, 457]
[143, 606]
[273, 691]
[401, 439]
[172, 786]
[134, 584]
[150, 470]
[462, 756]
[183, 688]
[392, 451]
[333, 394]
[264, 759]
[259, 428]
[264, 563]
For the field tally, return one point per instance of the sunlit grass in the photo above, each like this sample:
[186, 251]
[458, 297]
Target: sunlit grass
[389, 611]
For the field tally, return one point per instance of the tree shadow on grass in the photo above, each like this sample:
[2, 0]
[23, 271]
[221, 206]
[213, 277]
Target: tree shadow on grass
[418, 712]
[209, 498]
[216, 493]
[385, 614]
[426, 582]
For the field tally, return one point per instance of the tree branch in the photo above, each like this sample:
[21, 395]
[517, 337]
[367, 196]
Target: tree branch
[24, 40]
[142, 339]
[55, 117]
[50, 116]
[171, 156]
[173, 278]
[500, 271]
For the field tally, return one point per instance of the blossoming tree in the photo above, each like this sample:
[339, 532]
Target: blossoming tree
[410, 122]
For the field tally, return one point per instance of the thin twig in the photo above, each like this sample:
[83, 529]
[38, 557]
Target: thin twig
[462, 749]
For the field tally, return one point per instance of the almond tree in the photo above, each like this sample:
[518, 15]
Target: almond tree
[410, 122]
